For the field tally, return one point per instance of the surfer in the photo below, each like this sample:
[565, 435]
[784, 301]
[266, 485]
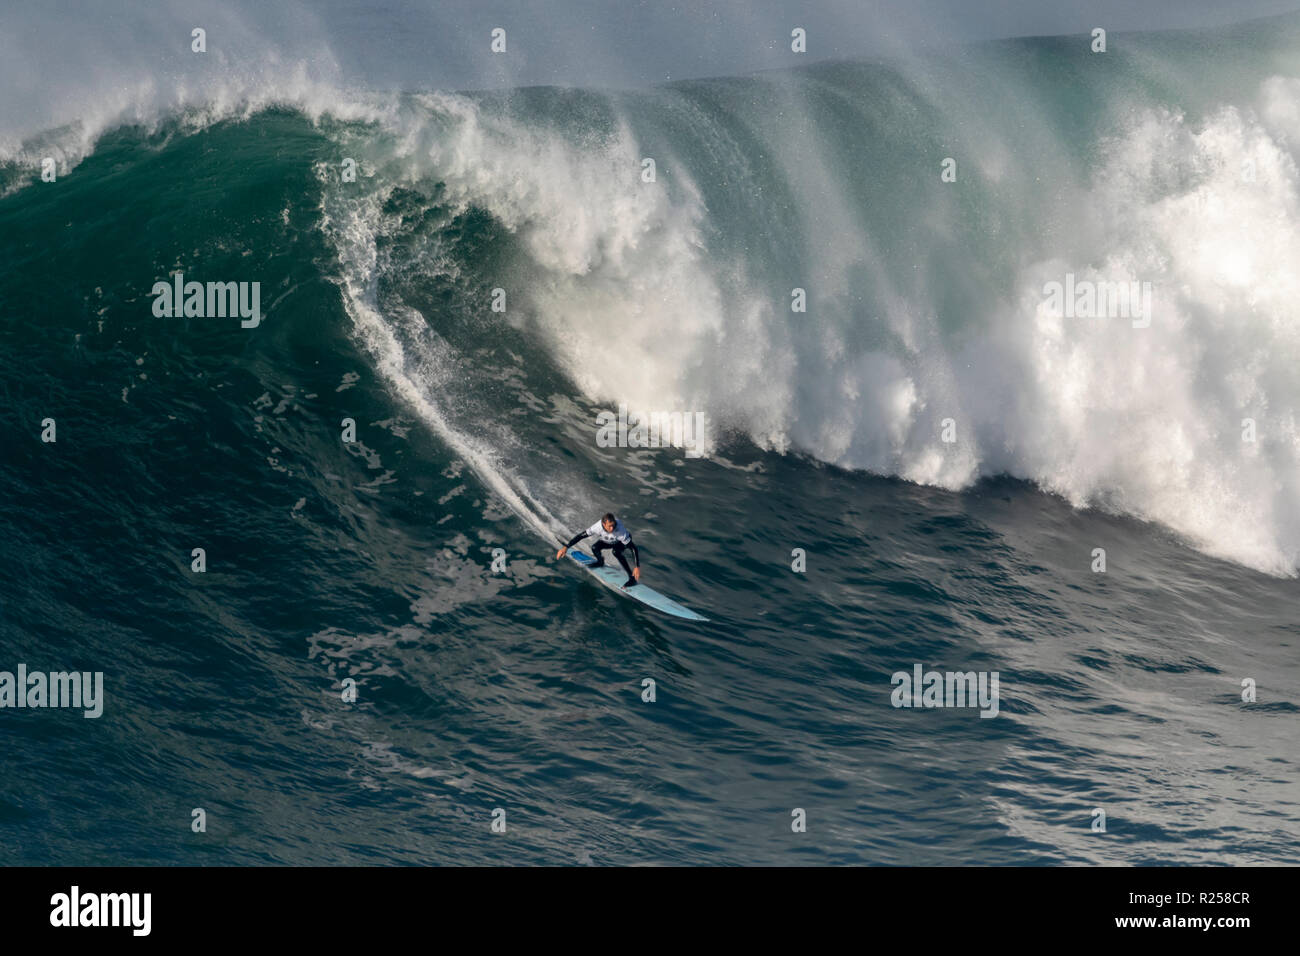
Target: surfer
[613, 537]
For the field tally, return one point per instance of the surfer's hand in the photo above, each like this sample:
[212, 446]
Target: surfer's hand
[636, 573]
[561, 552]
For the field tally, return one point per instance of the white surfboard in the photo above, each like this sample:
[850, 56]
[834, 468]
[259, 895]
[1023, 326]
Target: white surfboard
[613, 576]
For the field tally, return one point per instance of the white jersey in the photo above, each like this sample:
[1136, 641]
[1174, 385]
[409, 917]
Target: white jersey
[619, 533]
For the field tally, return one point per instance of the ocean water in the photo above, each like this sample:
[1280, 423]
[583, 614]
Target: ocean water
[1172, 161]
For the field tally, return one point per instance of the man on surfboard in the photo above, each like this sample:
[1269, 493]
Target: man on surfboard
[613, 537]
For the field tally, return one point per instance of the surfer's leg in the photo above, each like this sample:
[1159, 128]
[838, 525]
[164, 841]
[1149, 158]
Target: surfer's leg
[618, 553]
[596, 548]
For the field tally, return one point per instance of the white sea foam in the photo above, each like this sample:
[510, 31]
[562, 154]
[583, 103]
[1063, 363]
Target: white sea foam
[637, 308]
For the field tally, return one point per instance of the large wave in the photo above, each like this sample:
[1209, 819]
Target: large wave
[1168, 161]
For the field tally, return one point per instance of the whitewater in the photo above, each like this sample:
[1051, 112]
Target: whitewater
[926, 298]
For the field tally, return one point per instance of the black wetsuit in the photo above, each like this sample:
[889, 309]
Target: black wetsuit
[619, 541]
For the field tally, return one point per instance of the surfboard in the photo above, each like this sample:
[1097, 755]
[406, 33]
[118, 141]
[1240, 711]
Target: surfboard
[613, 576]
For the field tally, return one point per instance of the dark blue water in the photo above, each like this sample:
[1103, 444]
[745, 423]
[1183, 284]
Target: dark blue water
[370, 561]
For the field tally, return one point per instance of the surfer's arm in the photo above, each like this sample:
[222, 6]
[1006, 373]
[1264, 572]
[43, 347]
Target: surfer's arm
[572, 541]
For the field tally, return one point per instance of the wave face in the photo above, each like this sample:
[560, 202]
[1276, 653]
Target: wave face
[1168, 164]
[1170, 160]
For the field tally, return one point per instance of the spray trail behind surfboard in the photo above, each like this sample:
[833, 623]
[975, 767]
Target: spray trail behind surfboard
[413, 360]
